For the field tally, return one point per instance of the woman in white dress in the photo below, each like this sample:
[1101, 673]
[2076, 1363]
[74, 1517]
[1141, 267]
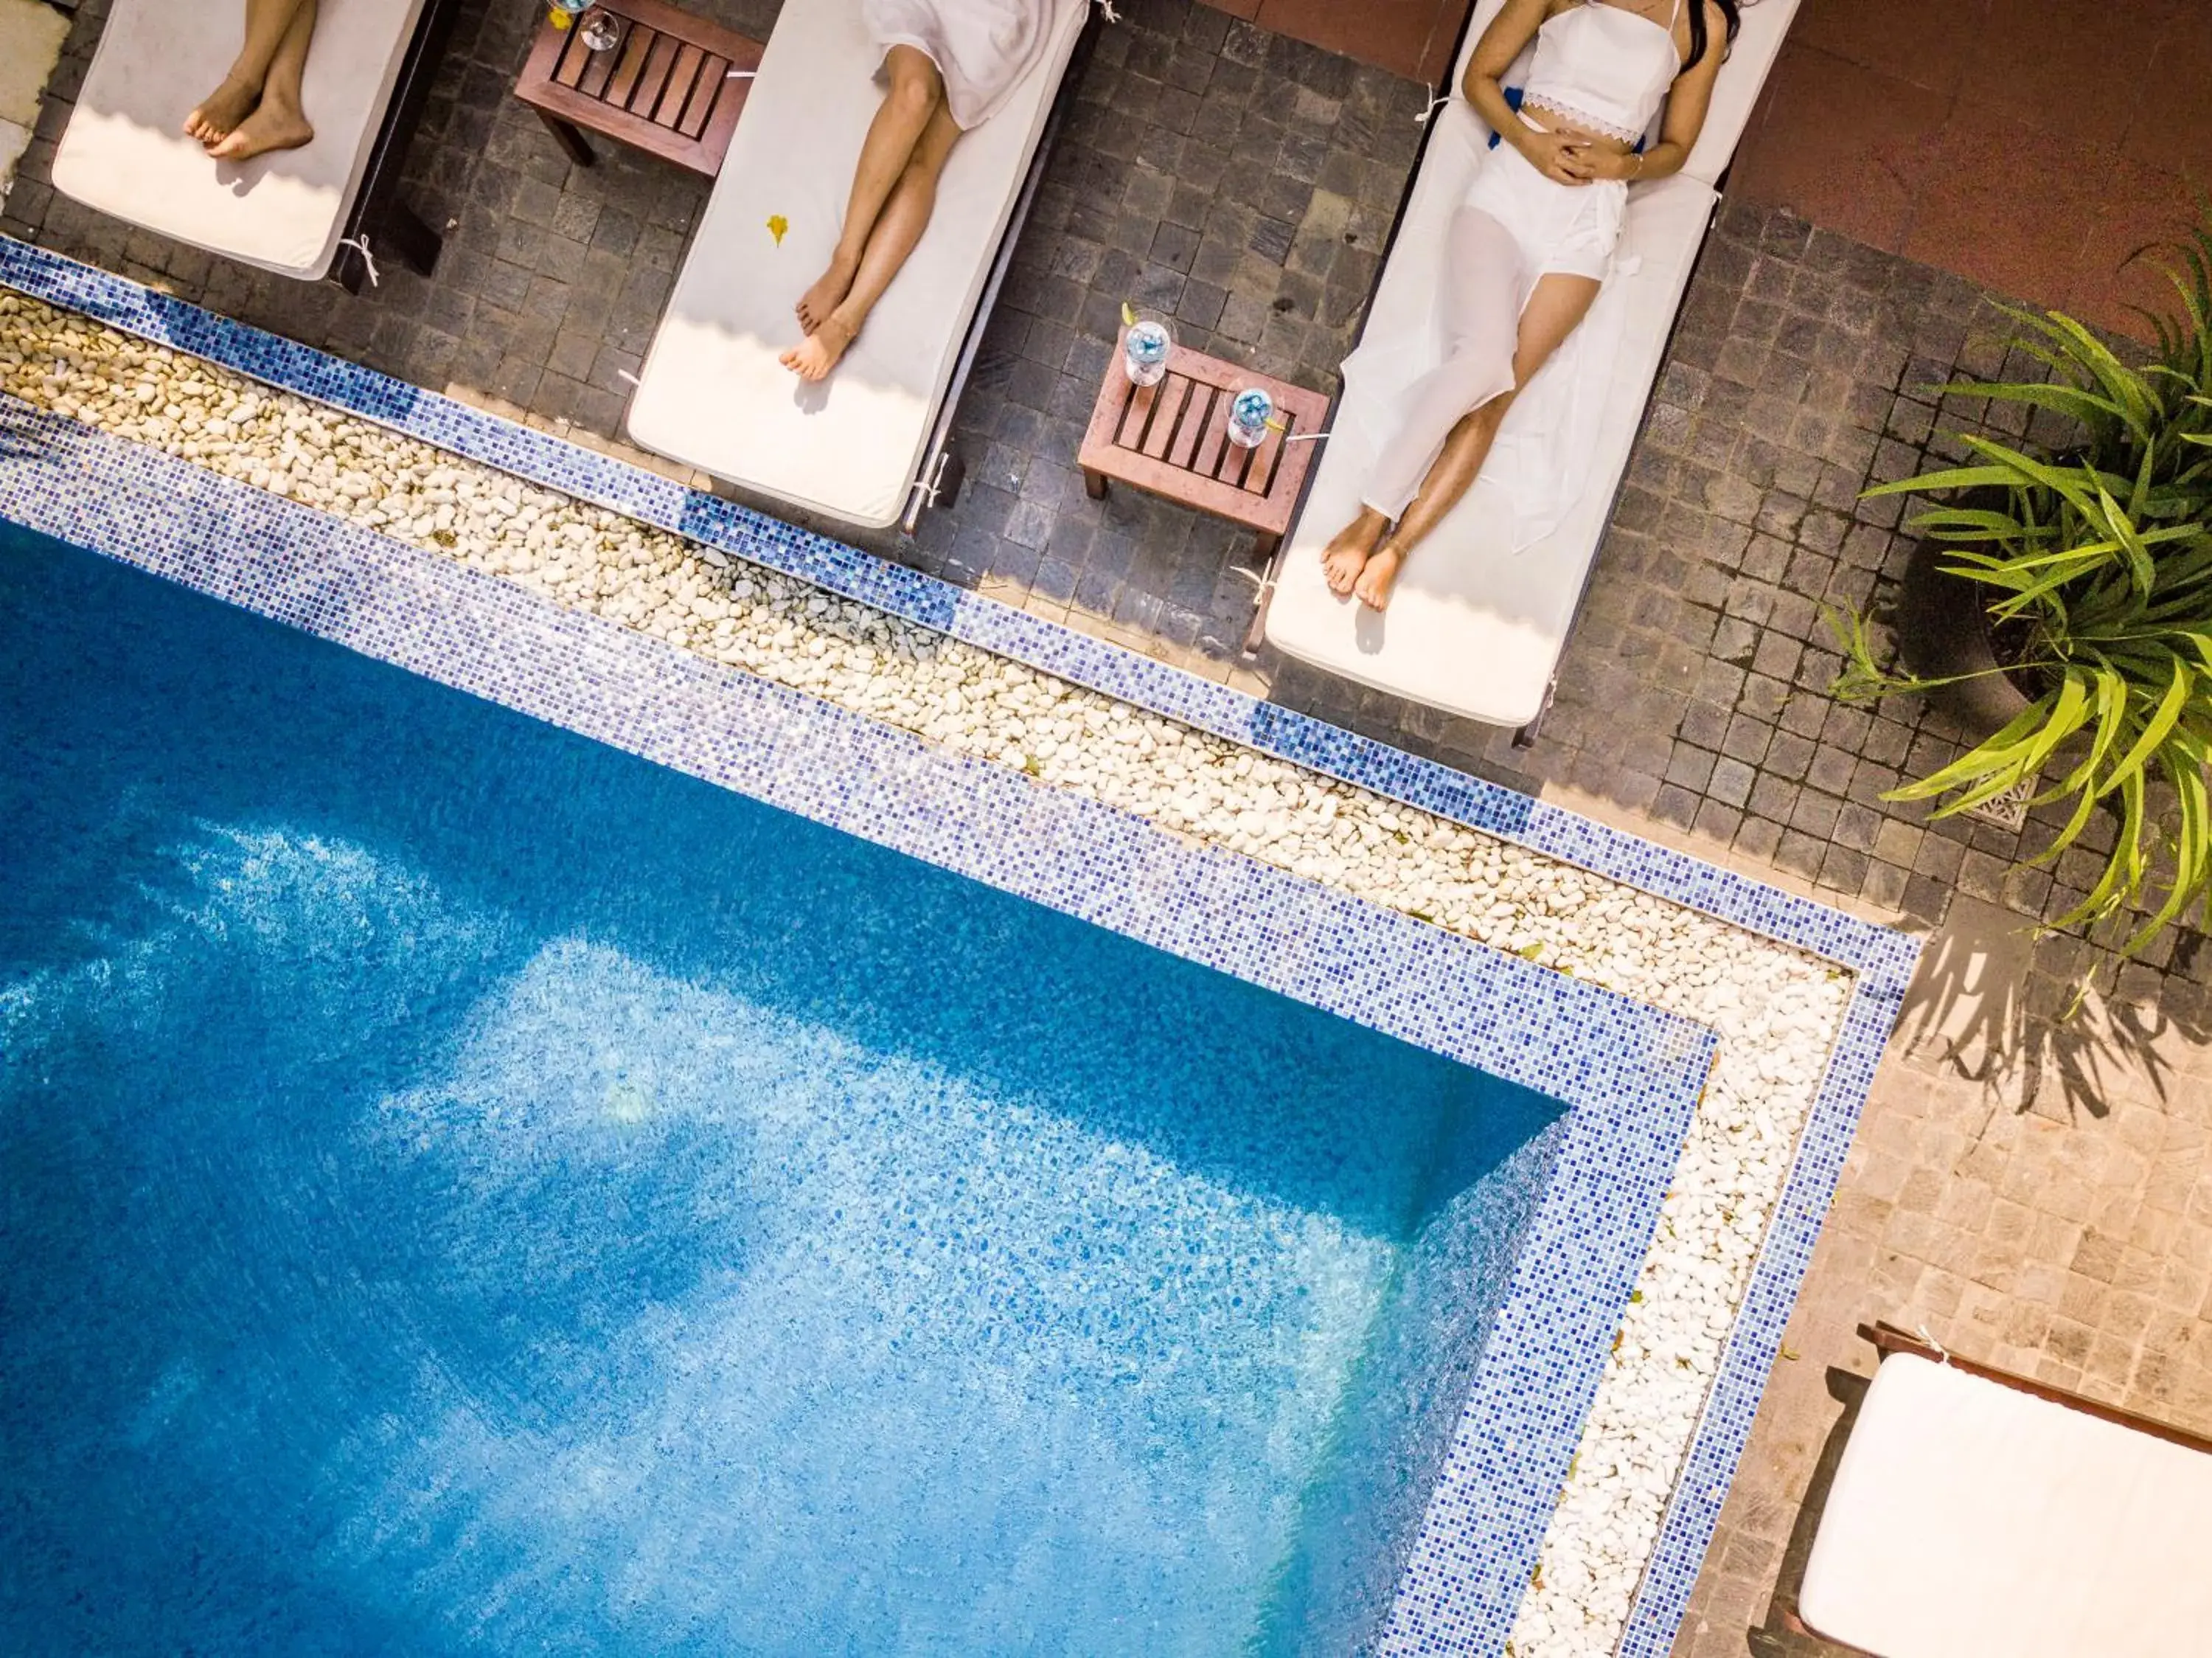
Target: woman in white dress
[1530, 246]
[948, 65]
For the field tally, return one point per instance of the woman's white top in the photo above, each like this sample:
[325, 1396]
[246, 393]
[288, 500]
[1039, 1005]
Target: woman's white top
[1603, 69]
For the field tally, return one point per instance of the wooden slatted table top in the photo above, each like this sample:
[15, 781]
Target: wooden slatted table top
[666, 87]
[1172, 439]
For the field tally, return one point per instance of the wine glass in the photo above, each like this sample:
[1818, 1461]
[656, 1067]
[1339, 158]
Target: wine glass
[600, 29]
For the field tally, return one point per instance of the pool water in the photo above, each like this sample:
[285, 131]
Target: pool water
[464, 1189]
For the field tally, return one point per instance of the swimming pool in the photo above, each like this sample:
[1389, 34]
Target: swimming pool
[468, 1187]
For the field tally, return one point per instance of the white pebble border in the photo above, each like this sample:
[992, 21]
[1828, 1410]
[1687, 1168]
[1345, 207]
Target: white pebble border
[1777, 1010]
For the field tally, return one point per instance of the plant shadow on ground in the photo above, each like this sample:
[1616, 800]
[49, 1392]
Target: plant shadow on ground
[1991, 1004]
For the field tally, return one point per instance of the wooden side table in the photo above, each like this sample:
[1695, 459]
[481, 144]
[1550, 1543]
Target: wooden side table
[671, 85]
[1172, 440]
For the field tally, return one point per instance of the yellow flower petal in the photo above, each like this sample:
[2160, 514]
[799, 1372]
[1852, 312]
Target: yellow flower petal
[777, 224]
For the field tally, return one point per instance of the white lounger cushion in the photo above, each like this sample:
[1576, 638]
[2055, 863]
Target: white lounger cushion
[712, 394]
[125, 153]
[1969, 1517]
[1474, 627]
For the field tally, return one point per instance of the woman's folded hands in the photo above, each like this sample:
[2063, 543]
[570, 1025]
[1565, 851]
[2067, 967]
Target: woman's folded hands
[1565, 158]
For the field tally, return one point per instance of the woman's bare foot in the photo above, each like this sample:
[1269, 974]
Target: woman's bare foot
[827, 294]
[1343, 559]
[814, 356]
[222, 110]
[1372, 589]
[270, 127]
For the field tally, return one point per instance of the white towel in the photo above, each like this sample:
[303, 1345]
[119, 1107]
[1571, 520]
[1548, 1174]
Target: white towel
[981, 47]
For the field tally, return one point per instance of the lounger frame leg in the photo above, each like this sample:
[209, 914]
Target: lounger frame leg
[411, 239]
[1526, 736]
[378, 217]
[1094, 483]
[938, 486]
[952, 473]
[1257, 635]
[1271, 548]
[1797, 1626]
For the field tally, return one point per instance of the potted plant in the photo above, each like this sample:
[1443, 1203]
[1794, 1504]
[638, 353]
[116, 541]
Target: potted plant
[2078, 586]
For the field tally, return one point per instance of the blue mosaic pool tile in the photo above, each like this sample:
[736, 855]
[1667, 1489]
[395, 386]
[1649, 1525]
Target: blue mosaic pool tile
[1882, 961]
[1630, 1074]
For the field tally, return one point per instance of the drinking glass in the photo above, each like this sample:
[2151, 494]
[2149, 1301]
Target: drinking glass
[599, 29]
[1145, 350]
[1249, 411]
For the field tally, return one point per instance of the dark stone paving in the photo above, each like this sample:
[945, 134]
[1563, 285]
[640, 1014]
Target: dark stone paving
[1246, 183]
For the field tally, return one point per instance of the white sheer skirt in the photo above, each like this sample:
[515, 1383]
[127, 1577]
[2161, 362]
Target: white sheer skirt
[1515, 228]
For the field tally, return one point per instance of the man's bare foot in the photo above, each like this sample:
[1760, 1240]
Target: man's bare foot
[268, 128]
[1343, 559]
[827, 294]
[220, 112]
[813, 358]
[1373, 588]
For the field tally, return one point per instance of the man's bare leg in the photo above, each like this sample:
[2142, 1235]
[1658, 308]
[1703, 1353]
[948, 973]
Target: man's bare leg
[1558, 304]
[1345, 555]
[267, 22]
[915, 97]
[905, 216]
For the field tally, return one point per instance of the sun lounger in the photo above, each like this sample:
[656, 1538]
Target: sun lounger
[1475, 627]
[862, 445]
[1976, 1512]
[307, 213]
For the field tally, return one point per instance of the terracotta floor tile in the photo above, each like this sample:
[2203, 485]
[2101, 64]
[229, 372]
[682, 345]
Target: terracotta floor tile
[2009, 205]
[1845, 146]
[2172, 119]
[1922, 43]
[1444, 38]
[2142, 207]
[2076, 66]
[1392, 34]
